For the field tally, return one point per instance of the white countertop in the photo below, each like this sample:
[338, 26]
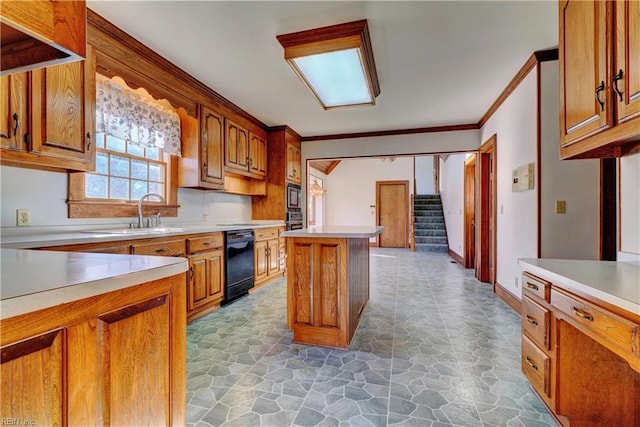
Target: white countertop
[617, 283]
[336, 231]
[54, 237]
[33, 280]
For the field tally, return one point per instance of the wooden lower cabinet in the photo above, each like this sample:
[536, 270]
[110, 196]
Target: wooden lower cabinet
[112, 359]
[268, 255]
[581, 357]
[206, 282]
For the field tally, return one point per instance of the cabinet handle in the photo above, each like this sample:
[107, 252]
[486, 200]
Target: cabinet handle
[161, 250]
[16, 119]
[191, 273]
[206, 243]
[615, 84]
[532, 286]
[530, 363]
[532, 320]
[582, 314]
[204, 167]
[88, 141]
[598, 90]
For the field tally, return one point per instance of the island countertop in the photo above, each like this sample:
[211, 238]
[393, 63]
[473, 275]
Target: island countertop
[336, 231]
[33, 280]
[617, 283]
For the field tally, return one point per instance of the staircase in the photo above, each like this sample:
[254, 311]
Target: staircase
[428, 228]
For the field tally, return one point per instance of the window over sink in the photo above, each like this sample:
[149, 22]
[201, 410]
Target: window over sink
[137, 144]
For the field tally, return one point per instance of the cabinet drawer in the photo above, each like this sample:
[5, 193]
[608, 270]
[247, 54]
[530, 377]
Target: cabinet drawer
[205, 243]
[266, 233]
[536, 366]
[536, 322]
[166, 248]
[611, 327]
[535, 287]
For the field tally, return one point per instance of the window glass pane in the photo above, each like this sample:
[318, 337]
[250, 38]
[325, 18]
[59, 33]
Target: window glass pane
[102, 163]
[138, 169]
[100, 140]
[119, 166]
[135, 149]
[96, 186]
[155, 187]
[138, 189]
[119, 189]
[153, 153]
[115, 144]
[156, 172]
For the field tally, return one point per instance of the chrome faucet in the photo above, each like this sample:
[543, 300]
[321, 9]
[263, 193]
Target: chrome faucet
[140, 217]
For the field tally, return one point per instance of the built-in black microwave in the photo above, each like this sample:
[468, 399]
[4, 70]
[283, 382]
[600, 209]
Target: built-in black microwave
[294, 197]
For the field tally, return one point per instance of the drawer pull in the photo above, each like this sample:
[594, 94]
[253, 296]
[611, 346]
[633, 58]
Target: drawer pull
[161, 250]
[582, 314]
[206, 243]
[530, 363]
[531, 320]
[532, 286]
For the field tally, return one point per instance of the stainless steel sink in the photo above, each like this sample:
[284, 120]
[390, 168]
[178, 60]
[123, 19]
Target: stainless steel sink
[135, 230]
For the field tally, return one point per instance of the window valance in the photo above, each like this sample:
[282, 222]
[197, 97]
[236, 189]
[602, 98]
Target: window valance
[126, 114]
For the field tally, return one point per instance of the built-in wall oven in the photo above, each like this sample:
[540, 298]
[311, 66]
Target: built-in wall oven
[294, 220]
[294, 197]
[239, 276]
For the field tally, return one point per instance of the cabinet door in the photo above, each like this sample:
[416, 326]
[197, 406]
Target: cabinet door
[14, 119]
[260, 262]
[237, 144]
[136, 342]
[293, 163]
[627, 64]
[212, 146]
[63, 113]
[206, 279]
[585, 86]
[273, 256]
[257, 156]
[32, 380]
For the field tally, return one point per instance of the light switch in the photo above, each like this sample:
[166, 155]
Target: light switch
[561, 206]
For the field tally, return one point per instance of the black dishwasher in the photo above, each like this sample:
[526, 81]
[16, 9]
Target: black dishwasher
[238, 262]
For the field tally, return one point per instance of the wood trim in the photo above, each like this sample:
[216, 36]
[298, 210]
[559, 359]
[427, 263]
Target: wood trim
[132, 310]
[608, 243]
[23, 348]
[90, 209]
[459, 259]
[534, 59]
[508, 297]
[485, 239]
[469, 203]
[432, 129]
[538, 178]
[100, 32]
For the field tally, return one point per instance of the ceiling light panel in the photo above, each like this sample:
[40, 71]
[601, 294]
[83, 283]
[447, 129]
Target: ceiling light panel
[335, 63]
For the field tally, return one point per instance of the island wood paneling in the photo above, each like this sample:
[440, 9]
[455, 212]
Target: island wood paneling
[327, 289]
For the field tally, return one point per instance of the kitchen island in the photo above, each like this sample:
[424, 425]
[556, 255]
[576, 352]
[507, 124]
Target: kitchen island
[327, 282]
[92, 339]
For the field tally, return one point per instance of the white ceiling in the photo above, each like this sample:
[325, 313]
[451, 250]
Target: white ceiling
[439, 63]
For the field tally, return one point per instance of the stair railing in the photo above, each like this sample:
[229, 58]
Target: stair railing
[412, 237]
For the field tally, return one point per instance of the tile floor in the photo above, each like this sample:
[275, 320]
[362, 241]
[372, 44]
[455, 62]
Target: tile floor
[435, 347]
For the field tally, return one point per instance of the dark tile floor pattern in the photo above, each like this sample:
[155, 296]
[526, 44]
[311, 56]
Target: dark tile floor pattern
[435, 347]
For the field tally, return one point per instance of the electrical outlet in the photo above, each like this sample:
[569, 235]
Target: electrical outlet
[561, 206]
[23, 217]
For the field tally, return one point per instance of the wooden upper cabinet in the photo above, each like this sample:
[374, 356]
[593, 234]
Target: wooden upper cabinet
[584, 87]
[627, 60]
[41, 33]
[14, 118]
[212, 143]
[201, 164]
[599, 77]
[294, 164]
[56, 122]
[237, 147]
[257, 155]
